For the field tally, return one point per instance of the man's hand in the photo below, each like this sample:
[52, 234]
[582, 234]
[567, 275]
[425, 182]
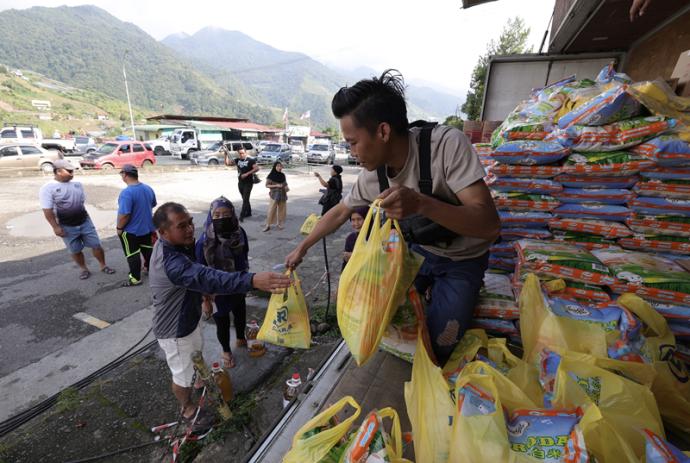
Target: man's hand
[59, 231]
[400, 202]
[638, 8]
[295, 258]
[271, 282]
[207, 307]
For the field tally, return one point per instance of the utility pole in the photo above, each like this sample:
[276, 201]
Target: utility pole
[129, 103]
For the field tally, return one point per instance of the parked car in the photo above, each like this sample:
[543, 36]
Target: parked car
[13, 133]
[321, 153]
[213, 156]
[297, 147]
[24, 155]
[115, 154]
[352, 159]
[160, 146]
[275, 152]
[85, 144]
[262, 144]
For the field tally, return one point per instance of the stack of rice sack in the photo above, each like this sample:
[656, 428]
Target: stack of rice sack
[661, 210]
[521, 181]
[497, 310]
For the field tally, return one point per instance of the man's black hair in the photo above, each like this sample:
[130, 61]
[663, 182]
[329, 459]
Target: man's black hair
[134, 175]
[160, 217]
[373, 101]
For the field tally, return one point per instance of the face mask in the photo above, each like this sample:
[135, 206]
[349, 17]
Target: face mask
[225, 226]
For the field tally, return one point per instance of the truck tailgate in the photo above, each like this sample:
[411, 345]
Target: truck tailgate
[377, 384]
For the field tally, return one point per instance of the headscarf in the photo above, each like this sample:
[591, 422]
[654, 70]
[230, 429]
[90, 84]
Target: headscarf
[220, 250]
[274, 175]
[361, 210]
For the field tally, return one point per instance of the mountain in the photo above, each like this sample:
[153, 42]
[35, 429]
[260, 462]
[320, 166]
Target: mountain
[423, 101]
[274, 77]
[84, 46]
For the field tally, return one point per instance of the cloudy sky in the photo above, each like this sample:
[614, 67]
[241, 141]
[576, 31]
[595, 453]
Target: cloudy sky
[434, 42]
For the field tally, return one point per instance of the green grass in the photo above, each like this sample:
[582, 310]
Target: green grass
[68, 400]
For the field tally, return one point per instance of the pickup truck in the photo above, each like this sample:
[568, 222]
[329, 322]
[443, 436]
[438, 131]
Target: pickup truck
[12, 133]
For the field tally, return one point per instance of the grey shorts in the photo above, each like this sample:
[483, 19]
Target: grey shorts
[80, 236]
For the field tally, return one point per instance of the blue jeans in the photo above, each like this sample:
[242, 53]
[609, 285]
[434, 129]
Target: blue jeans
[79, 236]
[454, 288]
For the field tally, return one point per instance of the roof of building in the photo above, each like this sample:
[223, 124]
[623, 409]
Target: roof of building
[182, 117]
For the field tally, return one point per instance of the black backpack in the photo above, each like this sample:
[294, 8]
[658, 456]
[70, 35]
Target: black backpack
[417, 228]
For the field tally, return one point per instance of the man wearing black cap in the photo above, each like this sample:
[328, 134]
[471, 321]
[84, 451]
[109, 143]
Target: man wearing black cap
[135, 222]
[62, 201]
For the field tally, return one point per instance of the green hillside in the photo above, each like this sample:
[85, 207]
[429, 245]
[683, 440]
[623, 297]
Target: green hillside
[71, 108]
[83, 46]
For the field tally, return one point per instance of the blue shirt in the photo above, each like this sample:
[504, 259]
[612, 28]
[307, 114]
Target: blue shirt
[137, 202]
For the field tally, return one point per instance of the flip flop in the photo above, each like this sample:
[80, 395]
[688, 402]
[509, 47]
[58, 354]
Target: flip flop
[84, 274]
[228, 360]
[107, 270]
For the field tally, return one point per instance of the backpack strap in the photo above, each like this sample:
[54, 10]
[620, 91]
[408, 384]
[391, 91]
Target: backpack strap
[425, 183]
[383, 179]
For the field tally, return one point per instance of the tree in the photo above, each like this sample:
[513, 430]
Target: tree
[454, 121]
[513, 40]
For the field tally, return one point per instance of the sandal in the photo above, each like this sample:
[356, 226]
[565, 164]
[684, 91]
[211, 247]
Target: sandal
[84, 274]
[107, 270]
[131, 282]
[228, 360]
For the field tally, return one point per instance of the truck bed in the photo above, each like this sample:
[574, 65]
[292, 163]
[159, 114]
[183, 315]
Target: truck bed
[377, 384]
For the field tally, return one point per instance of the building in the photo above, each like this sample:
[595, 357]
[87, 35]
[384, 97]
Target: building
[241, 129]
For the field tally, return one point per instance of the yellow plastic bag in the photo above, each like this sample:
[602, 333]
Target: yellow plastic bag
[371, 431]
[625, 405]
[524, 375]
[316, 445]
[483, 438]
[374, 284]
[430, 407]
[671, 385]
[309, 224]
[542, 329]
[287, 319]
[658, 97]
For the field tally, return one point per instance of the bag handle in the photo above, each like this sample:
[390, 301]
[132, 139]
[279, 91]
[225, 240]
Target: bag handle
[396, 433]
[323, 417]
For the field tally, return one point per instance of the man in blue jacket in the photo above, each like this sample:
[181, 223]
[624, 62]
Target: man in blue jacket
[177, 284]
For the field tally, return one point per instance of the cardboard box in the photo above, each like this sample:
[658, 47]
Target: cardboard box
[682, 69]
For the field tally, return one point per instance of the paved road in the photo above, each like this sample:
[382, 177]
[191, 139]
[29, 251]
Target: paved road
[43, 303]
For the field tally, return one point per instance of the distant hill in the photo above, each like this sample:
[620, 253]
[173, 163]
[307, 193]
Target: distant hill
[83, 111]
[214, 71]
[83, 46]
[273, 77]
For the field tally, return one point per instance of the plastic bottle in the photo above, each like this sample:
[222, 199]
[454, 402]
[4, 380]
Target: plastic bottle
[222, 379]
[292, 386]
[254, 346]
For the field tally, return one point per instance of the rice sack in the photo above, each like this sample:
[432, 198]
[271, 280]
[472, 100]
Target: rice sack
[527, 152]
[518, 201]
[582, 181]
[660, 206]
[525, 185]
[665, 150]
[615, 196]
[613, 163]
[593, 211]
[517, 171]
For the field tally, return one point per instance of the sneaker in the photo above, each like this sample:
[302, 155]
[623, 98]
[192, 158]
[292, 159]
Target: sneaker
[203, 423]
[131, 281]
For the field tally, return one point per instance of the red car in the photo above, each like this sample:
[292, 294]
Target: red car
[115, 154]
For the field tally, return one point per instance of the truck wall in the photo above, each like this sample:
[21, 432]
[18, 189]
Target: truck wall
[509, 82]
[656, 55]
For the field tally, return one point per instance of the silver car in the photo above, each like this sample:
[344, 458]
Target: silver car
[85, 145]
[214, 155]
[321, 153]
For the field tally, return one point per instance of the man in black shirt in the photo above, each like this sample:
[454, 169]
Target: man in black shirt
[246, 168]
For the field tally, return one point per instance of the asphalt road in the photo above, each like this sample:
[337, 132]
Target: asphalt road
[43, 305]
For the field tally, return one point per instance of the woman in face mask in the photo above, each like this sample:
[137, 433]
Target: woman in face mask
[223, 245]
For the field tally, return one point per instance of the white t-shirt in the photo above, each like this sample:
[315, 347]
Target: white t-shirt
[454, 167]
[66, 199]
